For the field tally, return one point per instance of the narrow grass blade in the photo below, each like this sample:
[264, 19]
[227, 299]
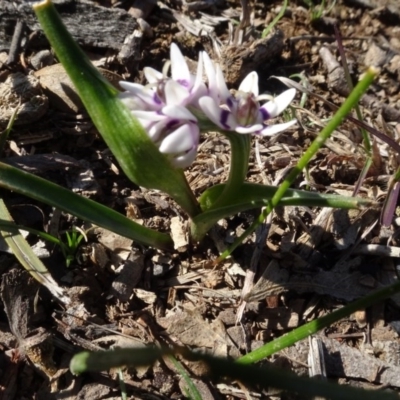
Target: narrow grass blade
[88, 210]
[316, 325]
[27, 258]
[4, 134]
[271, 26]
[192, 392]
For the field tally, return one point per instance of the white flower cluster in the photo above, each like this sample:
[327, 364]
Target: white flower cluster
[162, 106]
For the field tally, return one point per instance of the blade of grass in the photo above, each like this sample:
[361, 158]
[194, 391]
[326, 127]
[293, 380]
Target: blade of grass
[122, 385]
[281, 13]
[316, 325]
[12, 178]
[6, 132]
[336, 120]
[27, 258]
[193, 393]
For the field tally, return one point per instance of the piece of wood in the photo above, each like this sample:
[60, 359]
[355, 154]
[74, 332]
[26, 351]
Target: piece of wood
[89, 24]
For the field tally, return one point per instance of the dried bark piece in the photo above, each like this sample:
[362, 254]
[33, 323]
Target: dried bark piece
[392, 6]
[238, 61]
[25, 93]
[352, 363]
[61, 91]
[337, 82]
[17, 293]
[89, 24]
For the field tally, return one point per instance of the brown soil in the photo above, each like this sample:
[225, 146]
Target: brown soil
[124, 294]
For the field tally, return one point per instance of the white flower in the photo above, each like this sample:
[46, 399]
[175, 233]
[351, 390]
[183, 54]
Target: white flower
[175, 132]
[242, 112]
[181, 89]
[160, 107]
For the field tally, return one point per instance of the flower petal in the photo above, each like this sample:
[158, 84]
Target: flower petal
[274, 129]
[179, 69]
[249, 129]
[277, 105]
[199, 73]
[178, 112]
[250, 84]
[223, 92]
[211, 76]
[155, 130]
[185, 160]
[178, 141]
[221, 117]
[175, 93]
[148, 115]
[152, 75]
[145, 93]
[132, 102]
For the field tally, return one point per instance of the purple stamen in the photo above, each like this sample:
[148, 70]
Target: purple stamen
[224, 118]
[264, 113]
[157, 99]
[171, 123]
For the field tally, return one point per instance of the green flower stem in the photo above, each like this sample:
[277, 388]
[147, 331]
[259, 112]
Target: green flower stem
[137, 155]
[239, 166]
[231, 190]
[27, 184]
[314, 326]
[336, 120]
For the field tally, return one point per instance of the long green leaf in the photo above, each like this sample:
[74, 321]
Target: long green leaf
[135, 152]
[47, 192]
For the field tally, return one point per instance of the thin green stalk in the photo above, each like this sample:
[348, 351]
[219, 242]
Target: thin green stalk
[239, 166]
[4, 134]
[231, 190]
[11, 226]
[316, 325]
[122, 385]
[318, 142]
[193, 393]
[281, 13]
